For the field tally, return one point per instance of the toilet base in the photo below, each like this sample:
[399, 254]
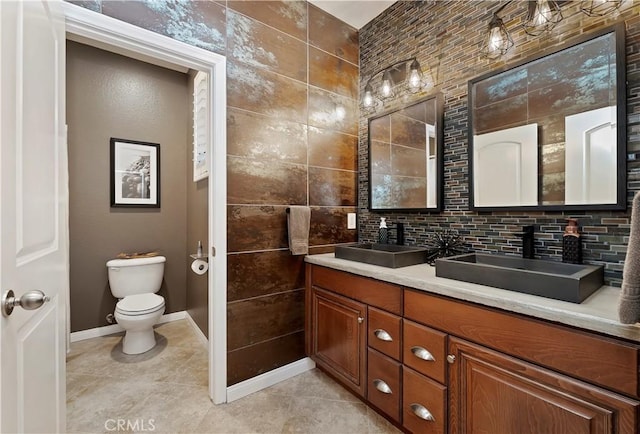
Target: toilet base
[138, 341]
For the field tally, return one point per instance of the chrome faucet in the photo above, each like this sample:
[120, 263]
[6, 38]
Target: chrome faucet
[528, 242]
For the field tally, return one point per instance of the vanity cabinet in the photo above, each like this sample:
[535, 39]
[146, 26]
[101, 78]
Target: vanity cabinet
[490, 392]
[337, 322]
[448, 366]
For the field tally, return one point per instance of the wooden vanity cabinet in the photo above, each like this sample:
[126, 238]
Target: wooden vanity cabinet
[490, 392]
[483, 370]
[336, 320]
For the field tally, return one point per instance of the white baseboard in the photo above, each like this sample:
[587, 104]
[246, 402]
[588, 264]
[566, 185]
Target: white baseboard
[116, 328]
[268, 379]
[201, 337]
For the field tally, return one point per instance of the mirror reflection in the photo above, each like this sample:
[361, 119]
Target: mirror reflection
[549, 133]
[405, 157]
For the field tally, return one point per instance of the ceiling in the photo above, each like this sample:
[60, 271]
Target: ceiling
[356, 13]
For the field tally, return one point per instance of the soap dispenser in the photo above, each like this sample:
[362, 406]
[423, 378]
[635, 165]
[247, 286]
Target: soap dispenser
[383, 231]
[572, 243]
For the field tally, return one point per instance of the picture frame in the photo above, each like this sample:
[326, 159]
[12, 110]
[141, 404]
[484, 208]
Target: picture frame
[135, 174]
[573, 97]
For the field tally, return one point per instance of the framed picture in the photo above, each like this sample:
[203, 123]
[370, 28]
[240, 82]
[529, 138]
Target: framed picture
[135, 174]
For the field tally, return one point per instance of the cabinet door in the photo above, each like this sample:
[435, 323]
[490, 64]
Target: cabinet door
[339, 337]
[490, 392]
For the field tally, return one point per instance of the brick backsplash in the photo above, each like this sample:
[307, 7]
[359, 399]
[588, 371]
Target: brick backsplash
[446, 36]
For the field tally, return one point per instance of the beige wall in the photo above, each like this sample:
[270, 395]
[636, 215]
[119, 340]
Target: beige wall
[112, 96]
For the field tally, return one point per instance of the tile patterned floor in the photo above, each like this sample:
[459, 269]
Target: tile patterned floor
[165, 390]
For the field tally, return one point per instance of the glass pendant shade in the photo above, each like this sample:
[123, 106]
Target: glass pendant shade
[498, 40]
[599, 8]
[414, 81]
[386, 88]
[367, 99]
[542, 16]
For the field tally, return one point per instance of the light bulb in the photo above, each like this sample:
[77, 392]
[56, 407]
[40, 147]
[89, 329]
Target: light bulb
[415, 77]
[386, 88]
[367, 100]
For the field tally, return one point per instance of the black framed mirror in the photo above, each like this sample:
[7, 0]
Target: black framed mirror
[406, 157]
[549, 133]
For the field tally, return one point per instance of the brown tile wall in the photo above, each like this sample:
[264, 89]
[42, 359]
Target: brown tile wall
[446, 36]
[292, 117]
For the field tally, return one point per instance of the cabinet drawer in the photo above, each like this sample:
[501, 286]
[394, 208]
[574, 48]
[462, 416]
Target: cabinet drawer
[424, 349]
[423, 403]
[372, 292]
[600, 360]
[385, 332]
[384, 388]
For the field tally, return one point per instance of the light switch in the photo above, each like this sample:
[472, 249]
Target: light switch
[351, 220]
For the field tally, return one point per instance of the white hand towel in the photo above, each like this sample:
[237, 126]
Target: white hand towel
[298, 221]
[629, 307]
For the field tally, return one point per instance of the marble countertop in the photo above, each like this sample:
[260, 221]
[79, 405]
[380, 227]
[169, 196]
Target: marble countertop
[598, 313]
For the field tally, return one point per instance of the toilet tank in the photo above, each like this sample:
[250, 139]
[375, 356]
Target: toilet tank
[135, 276]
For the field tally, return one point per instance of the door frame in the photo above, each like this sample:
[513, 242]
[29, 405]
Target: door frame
[101, 31]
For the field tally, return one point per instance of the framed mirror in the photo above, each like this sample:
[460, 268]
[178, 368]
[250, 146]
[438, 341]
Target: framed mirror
[406, 157]
[550, 132]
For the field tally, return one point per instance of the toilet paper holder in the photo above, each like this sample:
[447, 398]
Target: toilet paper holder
[196, 256]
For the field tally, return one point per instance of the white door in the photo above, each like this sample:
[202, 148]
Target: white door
[33, 215]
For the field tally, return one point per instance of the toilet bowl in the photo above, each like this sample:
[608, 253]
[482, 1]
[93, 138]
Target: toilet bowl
[135, 282]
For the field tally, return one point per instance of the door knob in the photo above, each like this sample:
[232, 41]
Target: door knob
[30, 300]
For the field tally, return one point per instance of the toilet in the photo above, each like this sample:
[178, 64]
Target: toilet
[135, 283]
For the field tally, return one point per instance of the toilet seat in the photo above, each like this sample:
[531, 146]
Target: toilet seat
[140, 304]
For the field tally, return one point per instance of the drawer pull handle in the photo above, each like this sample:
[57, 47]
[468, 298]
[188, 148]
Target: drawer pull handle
[382, 386]
[423, 354]
[422, 412]
[383, 335]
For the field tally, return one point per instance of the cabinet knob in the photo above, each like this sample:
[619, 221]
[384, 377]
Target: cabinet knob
[451, 358]
[382, 386]
[383, 335]
[422, 412]
[360, 320]
[422, 353]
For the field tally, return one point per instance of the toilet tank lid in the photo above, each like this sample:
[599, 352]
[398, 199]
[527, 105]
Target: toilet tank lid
[134, 262]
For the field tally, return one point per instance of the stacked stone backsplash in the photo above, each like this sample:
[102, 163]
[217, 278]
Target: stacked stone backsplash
[446, 37]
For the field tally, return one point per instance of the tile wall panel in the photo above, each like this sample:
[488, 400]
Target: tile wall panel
[247, 362]
[265, 92]
[333, 73]
[259, 319]
[266, 138]
[199, 23]
[265, 182]
[332, 35]
[258, 45]
[455, 56]
[256, 228]
[328, 187]
[260, 273]
[287, 16]
[332, 149]
[332, 111]
[329, 226]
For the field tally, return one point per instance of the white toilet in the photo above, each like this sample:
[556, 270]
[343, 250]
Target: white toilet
[135, 282]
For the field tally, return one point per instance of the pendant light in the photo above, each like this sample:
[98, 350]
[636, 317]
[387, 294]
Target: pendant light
[599, 8]
[498, 40]
[542, 16]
